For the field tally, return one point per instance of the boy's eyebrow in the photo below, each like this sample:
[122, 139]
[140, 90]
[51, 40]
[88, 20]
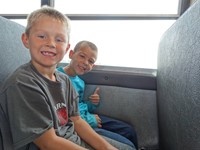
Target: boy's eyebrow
[43, 30]
[86, 55]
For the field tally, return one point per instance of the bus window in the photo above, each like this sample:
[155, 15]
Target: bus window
[19, 6]
[127, 32]
[124, 43]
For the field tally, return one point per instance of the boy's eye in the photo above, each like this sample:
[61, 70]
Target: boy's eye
[82, 56]
[59, 40]
[91, 61]
[41, 36]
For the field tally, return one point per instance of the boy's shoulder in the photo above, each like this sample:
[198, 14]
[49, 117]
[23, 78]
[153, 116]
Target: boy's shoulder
[20, 74]
[62, 74]
[60, 69]
[20, 71]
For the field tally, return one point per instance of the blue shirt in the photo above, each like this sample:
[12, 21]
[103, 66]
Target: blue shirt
[85, 106]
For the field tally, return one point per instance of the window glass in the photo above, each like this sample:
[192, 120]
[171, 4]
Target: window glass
[117, 6]
[20, 21]
[19, 6]
[131, 43]
[126, 43]
[122, 43]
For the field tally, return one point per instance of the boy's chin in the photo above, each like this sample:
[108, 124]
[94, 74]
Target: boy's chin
[81, 73]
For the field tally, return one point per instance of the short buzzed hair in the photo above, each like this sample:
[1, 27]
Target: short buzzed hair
[85, 43]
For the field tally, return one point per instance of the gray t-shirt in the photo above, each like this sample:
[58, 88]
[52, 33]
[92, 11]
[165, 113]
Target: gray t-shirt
[35, 104]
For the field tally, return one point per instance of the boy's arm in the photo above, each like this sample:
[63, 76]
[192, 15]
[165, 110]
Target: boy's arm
[50, 141]
[89, 135]
[87, 116]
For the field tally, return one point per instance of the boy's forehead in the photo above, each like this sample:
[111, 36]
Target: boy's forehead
[45, 18]
[43, 21]
[88, 51]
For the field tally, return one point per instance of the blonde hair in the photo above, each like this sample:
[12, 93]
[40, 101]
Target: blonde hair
[46, 11]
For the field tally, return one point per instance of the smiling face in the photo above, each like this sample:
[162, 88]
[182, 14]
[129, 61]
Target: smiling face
[47, 42]
[82, 61]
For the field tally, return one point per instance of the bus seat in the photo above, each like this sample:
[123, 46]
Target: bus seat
[178, 83]
[12, 55]
[10, 47]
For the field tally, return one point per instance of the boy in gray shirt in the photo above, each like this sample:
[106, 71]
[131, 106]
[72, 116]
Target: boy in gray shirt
[41, 114]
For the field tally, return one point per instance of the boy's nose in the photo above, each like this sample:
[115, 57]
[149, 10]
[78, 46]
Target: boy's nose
[85, 62]
[51, 43]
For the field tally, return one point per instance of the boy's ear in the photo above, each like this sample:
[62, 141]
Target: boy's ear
[25, 40]
[68, 46]
[71, 52]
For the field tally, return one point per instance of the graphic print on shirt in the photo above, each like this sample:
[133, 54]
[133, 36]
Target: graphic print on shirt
[62, 113]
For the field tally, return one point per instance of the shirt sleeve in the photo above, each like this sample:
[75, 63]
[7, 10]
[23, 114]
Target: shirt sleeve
[73, 99]
[91, 106]
[29, 112]
[87, 116]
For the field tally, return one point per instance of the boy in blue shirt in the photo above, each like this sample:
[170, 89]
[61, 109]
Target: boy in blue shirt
[82, 61]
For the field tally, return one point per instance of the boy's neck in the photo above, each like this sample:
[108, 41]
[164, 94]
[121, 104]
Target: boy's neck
[69, 71]
[48, 73]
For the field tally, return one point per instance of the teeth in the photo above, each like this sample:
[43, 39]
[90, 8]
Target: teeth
[82, 68]
[48, 53]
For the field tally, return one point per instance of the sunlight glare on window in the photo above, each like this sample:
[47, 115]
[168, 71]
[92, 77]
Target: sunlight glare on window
[125, 43]
[122, 43]
[117, 6]
[19, 6]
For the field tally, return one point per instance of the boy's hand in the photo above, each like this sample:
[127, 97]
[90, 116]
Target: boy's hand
[98, 121]
[95, 96]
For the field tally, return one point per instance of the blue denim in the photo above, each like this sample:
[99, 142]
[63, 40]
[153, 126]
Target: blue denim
[121, 128]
